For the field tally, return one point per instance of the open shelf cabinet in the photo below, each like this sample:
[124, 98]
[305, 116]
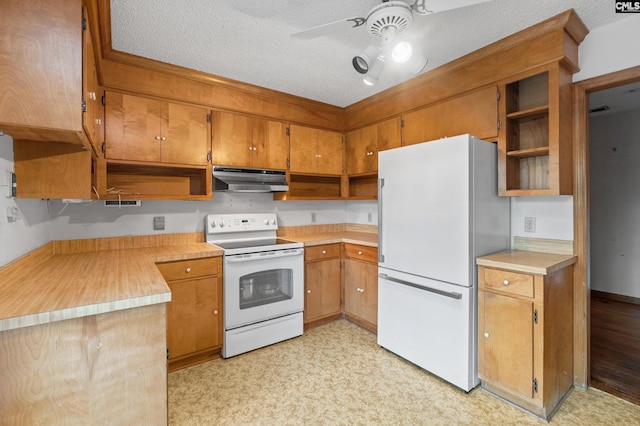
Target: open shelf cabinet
[535, 136]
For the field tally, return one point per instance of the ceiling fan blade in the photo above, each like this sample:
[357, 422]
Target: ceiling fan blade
[434, 6]
[330, 28]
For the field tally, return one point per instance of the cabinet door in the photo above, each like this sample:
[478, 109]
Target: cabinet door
[193, 316]
[507, 342]
[329, 153]
[132, 128]
[475, 113]
[361, 151]
[361, 290]
[231, 141]
[271, 144]
[185, 134]
[322, 289]
[92, 117]
[303, 149]
[41, 63]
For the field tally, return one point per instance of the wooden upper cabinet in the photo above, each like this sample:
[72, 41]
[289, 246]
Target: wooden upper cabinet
[475, 113]
[244, 141]
[315, 151]
[148, 130]
[93, 117]
[41, 63]
[535, 148]
[364, 144]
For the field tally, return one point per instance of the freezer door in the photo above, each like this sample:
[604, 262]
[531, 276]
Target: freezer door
[431, 324]
[424, 210]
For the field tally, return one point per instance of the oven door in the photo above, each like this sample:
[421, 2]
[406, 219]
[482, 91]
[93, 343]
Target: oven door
[261, 286]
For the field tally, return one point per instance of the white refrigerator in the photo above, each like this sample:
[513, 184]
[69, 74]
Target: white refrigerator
[438, 209]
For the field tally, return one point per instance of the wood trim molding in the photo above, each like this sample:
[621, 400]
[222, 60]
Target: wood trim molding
[553, 40]
[581, 213]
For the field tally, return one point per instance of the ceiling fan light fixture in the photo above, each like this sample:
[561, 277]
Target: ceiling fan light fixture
[401, 52]
[364, 61]
[371, 77]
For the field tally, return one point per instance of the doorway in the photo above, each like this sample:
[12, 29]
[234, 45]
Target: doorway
[611, 325]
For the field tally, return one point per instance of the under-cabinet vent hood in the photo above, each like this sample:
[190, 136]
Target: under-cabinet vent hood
[239, 179]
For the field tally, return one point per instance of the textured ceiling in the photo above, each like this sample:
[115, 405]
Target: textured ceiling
[248, 40]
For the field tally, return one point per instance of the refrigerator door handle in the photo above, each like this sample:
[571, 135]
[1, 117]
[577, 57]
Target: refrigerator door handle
[451, 294]
[380, 252]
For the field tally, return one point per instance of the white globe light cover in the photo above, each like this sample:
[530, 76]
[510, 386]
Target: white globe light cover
[401, 52]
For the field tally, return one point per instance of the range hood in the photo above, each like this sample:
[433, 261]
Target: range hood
[240, 179]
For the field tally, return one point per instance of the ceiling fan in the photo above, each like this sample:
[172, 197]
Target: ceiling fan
[385, 21]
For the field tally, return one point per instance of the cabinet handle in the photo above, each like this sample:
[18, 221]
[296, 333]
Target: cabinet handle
[360, 290]
[360, 253]
[215, 312]
[486, 334]
[163, 138]
[157, 138]
[505, 282]
[324, 252]
[187, 270]
[308, 291]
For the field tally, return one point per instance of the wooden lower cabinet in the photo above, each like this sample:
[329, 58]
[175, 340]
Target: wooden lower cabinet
[361, 285]
[194, 315]
[525, 336]
[322, 283]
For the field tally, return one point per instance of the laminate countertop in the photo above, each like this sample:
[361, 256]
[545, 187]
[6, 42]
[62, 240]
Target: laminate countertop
[527, 261]
[350, 237]
[46, 286]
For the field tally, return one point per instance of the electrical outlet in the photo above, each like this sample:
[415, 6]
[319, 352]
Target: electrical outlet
[158, 223]
[529, 224]
[313, 217]
[13, 214]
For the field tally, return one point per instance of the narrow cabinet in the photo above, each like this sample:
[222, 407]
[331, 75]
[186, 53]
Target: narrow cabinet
[245, 141]
[323, 283]
[315, 151]
[363, 145]
[152, 131]
[525, 328]
[194, 315]
[361, 285]
[535, 144]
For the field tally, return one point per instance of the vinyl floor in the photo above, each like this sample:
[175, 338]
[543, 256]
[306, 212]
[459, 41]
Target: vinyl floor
[336, 374]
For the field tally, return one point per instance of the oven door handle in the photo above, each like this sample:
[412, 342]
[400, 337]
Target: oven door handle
[264, 255]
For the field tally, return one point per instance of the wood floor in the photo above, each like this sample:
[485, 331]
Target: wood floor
[615, 347]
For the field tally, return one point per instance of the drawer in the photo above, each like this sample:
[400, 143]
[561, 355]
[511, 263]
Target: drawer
[325, 251]
[365, 253]
[508, 282]
[191, 268]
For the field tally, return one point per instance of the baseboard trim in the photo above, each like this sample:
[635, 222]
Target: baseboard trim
[615, 297]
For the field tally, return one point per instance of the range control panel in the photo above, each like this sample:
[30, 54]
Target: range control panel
[227, 223]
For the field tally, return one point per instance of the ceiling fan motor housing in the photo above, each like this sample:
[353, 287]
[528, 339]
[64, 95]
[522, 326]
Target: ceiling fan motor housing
[394, 15]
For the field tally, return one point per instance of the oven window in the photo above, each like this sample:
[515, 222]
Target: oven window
[265, 287]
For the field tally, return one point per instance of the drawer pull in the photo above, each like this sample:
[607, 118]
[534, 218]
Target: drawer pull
[360, 253]
[505, 282]
[486, 334]
[308, 291]
[187, 270]
[324, 252]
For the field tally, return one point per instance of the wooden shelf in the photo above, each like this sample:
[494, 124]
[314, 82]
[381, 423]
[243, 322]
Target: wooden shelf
[529, 114]
[126, 180]
[530, 152]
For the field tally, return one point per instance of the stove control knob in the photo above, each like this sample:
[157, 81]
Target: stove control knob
[273, 221]
[266, 221]
[221, 224]
[213, 224]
